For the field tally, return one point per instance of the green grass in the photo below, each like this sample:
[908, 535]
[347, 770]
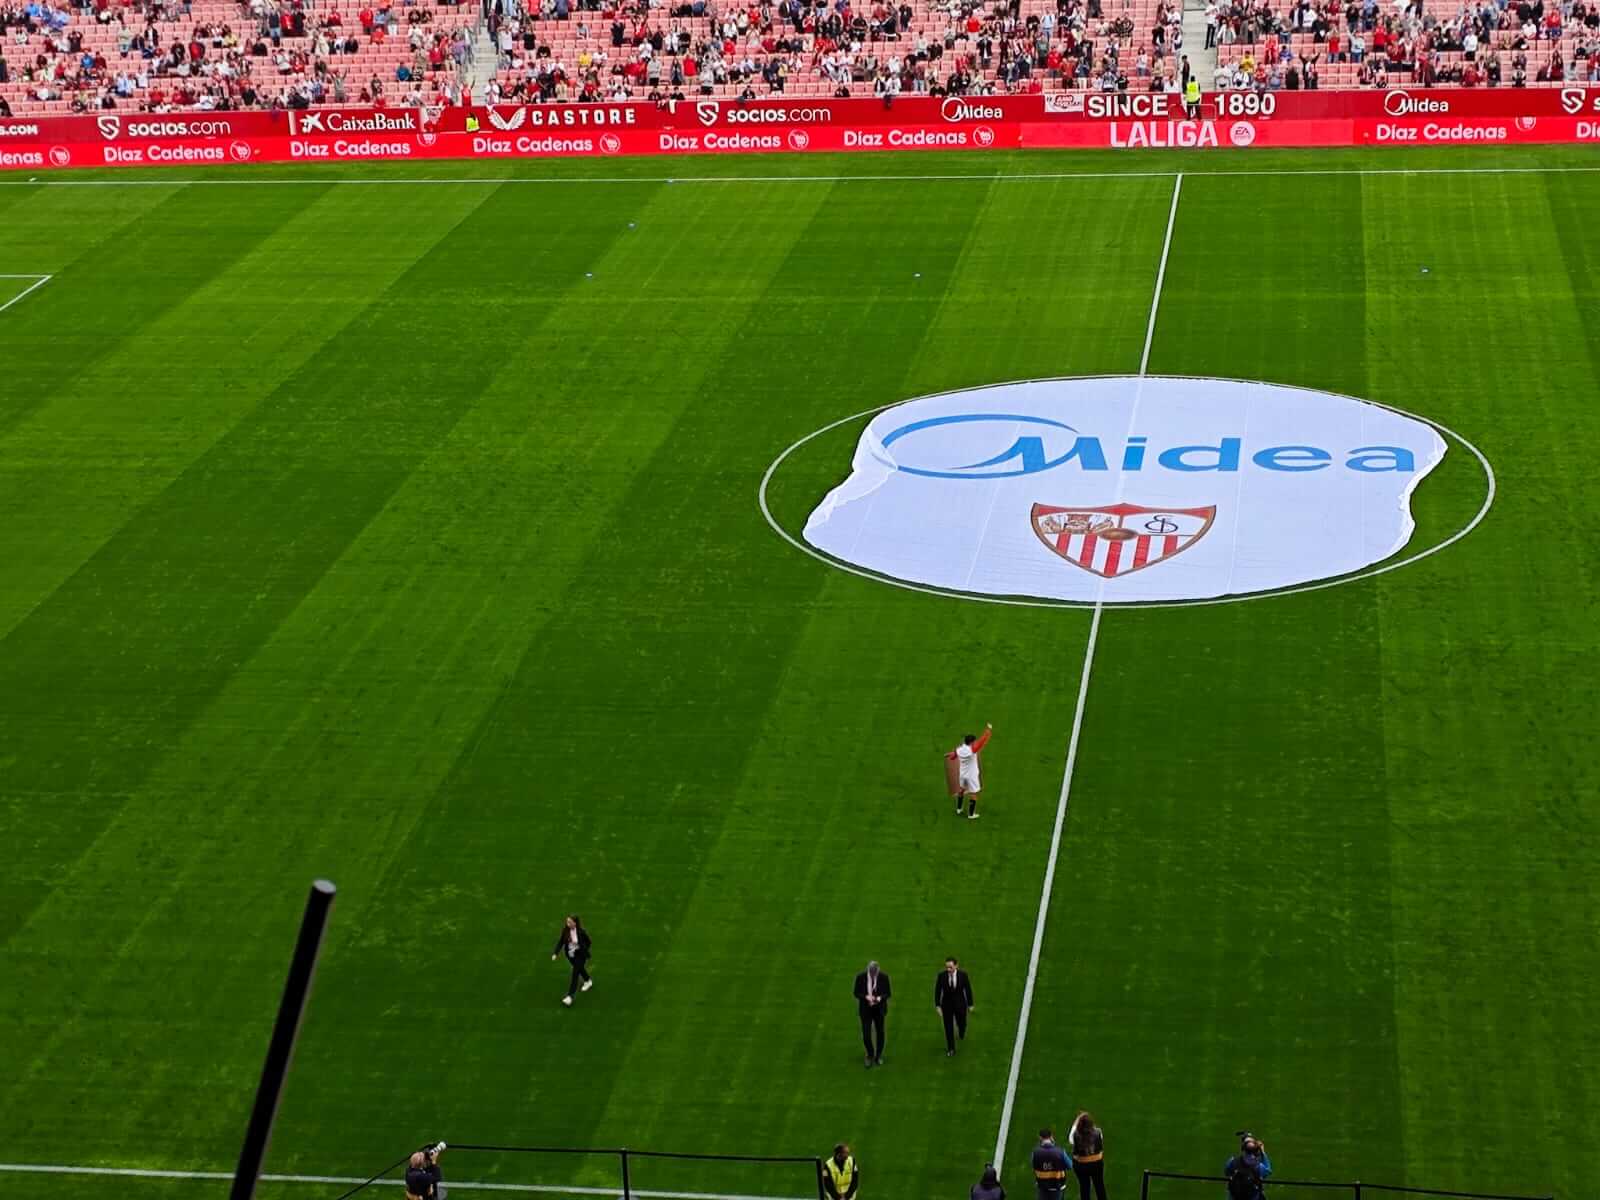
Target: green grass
[357, 531]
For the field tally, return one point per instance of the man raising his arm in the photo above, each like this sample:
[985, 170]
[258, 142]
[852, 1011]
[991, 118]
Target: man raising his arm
[966, 758]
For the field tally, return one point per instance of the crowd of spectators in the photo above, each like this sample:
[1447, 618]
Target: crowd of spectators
[644, 50]
[215, 55]
[1490, 43]
[201, 55]
[675, 49]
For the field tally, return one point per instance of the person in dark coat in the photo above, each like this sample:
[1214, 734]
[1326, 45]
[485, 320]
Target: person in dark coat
[424, 1180]
[573, 941]
[1087, 1145]
[952, 1000]
[988, 1188]
[1247, 1171]
[1049, 1166]
[872, 1004]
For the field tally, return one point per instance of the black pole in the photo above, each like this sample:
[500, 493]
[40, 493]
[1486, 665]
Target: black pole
[822, 1188]
[281, 1048]
[1144, 1187]
[627, 1186]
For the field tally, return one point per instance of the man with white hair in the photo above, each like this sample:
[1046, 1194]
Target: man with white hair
[423, 1177]
[872, 1004]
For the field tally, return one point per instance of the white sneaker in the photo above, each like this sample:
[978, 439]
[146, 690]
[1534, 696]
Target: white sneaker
[587, 984]
[973, 816]
[567, 1000]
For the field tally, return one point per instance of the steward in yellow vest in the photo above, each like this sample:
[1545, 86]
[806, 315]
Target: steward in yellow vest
[840, 1176]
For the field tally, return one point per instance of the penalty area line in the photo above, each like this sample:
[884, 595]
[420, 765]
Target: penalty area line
[38, 282]
[1008, 1108]
[455, 1185]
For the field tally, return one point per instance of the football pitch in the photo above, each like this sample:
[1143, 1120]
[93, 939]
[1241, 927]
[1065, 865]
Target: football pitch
[407, 532]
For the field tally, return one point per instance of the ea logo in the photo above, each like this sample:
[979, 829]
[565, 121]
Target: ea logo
[1242, 133]
[60, 156]
[610, 143]
[799, 139]
[1123, 489]
[983, 135]
[240, 151]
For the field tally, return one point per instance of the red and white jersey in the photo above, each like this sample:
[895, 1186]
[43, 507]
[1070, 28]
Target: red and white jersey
[967, 761]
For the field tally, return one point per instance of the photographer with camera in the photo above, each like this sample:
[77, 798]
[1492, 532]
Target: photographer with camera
[1247, 1171]
[424, 1180]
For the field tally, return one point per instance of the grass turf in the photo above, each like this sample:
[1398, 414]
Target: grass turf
[408, 535]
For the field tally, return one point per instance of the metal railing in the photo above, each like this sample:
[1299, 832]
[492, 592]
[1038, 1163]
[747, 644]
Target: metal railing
[1356, 1187]
[626, 1161]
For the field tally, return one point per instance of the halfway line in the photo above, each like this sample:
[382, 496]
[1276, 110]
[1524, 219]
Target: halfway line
[1044, 894]
[1161, 275]
[1018, 1046]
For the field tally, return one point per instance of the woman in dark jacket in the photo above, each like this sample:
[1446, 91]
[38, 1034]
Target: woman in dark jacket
[1087, 1145]
[988, 1188]
[573, 941]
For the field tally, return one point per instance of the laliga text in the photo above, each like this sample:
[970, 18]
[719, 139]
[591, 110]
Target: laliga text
[539, 141]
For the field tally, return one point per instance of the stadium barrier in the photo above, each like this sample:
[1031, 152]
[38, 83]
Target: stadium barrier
[1059, 120]
[627, 1173]
[1281, 1188]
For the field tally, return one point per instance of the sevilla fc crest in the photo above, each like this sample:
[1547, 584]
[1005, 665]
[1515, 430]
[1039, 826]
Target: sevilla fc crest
[1119, 538]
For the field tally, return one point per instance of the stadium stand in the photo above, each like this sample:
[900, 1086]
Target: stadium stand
[799, 50]
[1430, 43]
[212, 55]
[795, 49]
[200, 55]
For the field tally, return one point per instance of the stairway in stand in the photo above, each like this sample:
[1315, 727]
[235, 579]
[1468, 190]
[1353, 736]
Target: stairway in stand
[1202, 62]
[484, 62]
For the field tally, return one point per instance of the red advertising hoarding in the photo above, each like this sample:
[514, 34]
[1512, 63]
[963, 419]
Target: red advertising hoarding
[1400, 116]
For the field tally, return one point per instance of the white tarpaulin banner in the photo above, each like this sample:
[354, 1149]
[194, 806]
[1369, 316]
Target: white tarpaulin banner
[1127, 488]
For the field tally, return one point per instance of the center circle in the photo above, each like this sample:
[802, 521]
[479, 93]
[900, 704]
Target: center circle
[1127, 490]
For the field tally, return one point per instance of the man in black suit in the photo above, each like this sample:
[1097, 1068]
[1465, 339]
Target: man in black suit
[872, 1001]
[952, 998]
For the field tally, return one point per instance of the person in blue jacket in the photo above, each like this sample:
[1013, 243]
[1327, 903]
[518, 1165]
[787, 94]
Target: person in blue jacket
[1247, 1171]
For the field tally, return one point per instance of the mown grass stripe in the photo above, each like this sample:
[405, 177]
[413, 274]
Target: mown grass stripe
[138, 270]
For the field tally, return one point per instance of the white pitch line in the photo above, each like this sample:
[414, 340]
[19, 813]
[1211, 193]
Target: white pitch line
[40, 281]
[1044, 894]
[577, 180]
[1062, 804]
[349, 1181]
[1161, 276]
